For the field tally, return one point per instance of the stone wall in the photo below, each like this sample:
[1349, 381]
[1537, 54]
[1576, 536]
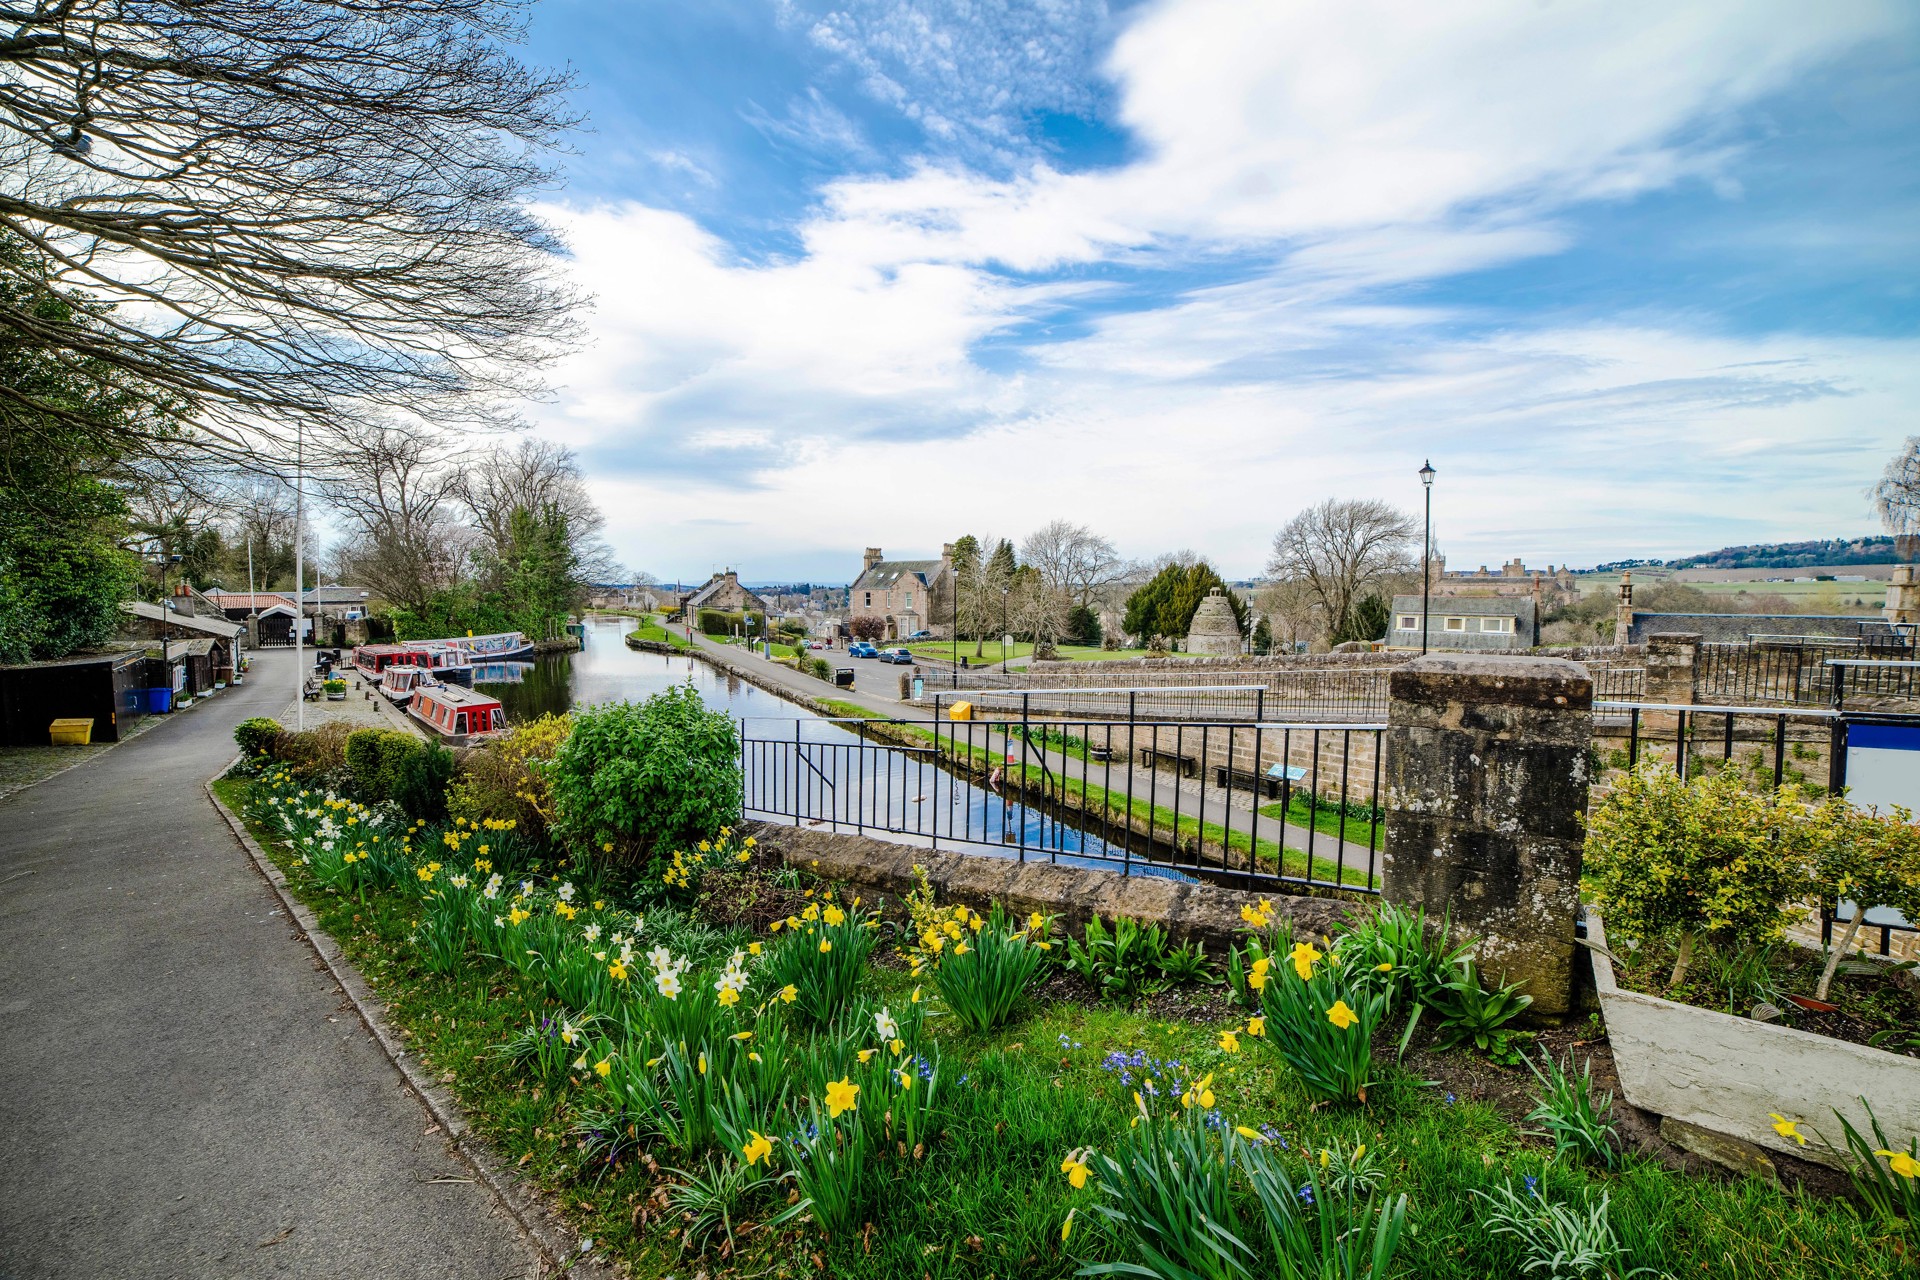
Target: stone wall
[1196, 912]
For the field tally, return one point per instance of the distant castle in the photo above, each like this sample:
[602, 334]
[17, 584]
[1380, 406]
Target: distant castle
[1556, 585]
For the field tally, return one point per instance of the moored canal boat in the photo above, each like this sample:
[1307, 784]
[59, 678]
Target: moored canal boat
[459, 717]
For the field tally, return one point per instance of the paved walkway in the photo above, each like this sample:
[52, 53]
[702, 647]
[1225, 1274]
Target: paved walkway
[182, 1093]
[877, 689]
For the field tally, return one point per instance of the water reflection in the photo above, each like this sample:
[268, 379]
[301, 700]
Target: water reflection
[799, 765]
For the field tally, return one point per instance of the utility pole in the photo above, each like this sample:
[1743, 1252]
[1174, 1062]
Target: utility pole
[299, 578]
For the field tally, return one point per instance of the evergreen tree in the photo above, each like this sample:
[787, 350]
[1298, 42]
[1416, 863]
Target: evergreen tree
[1166, 604]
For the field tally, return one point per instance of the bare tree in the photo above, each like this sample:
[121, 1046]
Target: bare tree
[403, 539]
[1035, 607]
[1073, 559]
[292, 215]
[1896, 499]
[258, 514]
[1340, 551]
[1293, 614]
[536, 475]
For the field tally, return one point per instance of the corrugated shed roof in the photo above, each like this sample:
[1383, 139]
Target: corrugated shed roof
[154, 613]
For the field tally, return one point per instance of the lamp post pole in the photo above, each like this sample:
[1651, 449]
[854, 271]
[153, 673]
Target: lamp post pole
[1426, 554]
[1003, 631]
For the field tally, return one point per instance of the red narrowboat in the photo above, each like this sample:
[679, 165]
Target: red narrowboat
[459, 716]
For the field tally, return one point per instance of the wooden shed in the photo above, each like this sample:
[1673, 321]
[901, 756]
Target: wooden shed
[107, 688]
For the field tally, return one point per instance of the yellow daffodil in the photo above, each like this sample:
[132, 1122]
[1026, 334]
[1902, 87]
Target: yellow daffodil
[1303, 955]
[915, 999]
[775, 926]
[1341, 1016]
[906, 1079]
[603, 1068]
[1385, 966]
[1324, 1157]
[729, 997]
[789, 993]
[826, 945]
[1066, 1228]
[607, 847]
[1251, 1135]
[617, 971]
[1902, 1163]
[703, 1064]
[1256, 1026]
[753, 948]
[1257, 975]
[834, 916]
[1229, 1042]
[842, 1095]
[1076, 1169]
[1200, 1094]
[1787, 1128]
[897, 1046]
[758, 1149]
[866, 1054]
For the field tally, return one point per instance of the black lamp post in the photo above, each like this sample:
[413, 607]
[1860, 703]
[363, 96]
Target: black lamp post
[1426, 554]
[1003, 629]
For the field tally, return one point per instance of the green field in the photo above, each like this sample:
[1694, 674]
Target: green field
[1806, 597]
[981, 655]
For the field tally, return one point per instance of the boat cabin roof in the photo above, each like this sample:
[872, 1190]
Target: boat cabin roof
[455, 696]
[379, 650]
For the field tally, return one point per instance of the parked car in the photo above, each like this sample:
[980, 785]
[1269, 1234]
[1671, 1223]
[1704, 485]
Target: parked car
[816, 644]
[897, 656]
[922, 634]
[861, 649]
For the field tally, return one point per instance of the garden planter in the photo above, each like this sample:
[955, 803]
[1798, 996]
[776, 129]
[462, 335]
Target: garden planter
[337, 697]
[1728, 1074]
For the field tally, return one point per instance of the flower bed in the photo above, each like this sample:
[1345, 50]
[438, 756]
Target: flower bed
[739, 1098]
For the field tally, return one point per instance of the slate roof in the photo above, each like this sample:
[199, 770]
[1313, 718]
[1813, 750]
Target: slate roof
[885, 574]
[210, 626]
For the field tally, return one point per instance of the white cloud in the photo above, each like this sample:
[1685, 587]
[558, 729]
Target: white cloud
[1321, 151]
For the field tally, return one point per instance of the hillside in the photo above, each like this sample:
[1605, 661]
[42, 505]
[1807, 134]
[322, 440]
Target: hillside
[1795, 555]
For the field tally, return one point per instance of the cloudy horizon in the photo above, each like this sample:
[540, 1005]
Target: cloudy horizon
[1639, 280]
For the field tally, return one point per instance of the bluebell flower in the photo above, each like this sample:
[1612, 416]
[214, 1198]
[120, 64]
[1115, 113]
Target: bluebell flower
[1448, 1101]
[1306, 1195]
[1533, 1186]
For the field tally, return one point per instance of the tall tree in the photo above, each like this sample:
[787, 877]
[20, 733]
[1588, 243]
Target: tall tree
[393, 493]
[1342, 550]
[1073, 559]
[320, 212]
[1166, 604]
[535, 476]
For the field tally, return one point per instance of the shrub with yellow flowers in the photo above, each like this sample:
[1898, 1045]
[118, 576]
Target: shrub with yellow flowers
[504, 780]
[983, 966]
[820, 954]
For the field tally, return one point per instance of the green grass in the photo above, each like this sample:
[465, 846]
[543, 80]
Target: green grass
[1325, 819]
[988, 1198]
[651, 628]
[1018, 652]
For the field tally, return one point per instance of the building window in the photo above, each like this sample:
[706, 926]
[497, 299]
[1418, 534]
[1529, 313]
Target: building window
[1409, 622]
[1456, 624]
[1493, 624]
[869, 596]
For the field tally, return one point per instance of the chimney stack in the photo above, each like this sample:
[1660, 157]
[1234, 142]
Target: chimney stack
[872, 558]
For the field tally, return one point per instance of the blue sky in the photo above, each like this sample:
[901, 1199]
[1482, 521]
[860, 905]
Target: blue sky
[1639, 278]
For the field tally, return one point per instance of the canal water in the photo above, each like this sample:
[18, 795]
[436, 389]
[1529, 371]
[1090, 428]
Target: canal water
[798, 763]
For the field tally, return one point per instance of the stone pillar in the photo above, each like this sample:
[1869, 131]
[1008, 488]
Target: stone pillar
[1486, 792]
[1903, 596]
[1670, 665]
[1623, 611]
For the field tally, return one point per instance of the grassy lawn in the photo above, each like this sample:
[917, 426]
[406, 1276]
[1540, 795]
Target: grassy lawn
[651, 628]
[982, 1194]
[1325, 819]
[1018, 652]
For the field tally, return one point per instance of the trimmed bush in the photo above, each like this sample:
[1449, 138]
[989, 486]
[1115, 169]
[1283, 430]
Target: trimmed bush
[636, 780]
[314, 753]
[375, 758]
[256, 736]
[420, 786]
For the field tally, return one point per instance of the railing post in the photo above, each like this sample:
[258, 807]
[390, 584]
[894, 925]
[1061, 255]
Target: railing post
[1486, 798]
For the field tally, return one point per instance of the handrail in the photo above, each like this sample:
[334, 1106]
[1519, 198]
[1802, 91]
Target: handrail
[1805, 713]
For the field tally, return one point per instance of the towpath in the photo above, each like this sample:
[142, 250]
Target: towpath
[183, 1089]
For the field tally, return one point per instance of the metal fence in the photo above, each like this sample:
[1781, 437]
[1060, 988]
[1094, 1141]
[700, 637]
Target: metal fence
[1787, 669]
[1239, 803]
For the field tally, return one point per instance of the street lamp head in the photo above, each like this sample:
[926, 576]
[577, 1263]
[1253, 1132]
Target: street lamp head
[1426, 475]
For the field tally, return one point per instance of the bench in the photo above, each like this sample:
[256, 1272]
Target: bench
[1153, 758]
[1224, 777]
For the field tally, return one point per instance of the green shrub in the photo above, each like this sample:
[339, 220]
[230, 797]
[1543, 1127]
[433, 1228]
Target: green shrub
[420, 785]
[375, 758]
[1125, 963]
[505, 778]
[314, 753]
[1321, 1012]
[1704, 858]
[255, 736]
[634, 780]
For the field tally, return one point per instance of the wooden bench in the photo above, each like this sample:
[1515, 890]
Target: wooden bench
[1224, 777]
[1186, 766]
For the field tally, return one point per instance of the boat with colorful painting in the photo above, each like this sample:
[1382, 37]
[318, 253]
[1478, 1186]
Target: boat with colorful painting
[459, 717]
[372, 660]
[503, 646]
[445, 659]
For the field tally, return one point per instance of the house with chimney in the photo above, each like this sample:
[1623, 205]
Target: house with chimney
[906, 595]
[723, 592]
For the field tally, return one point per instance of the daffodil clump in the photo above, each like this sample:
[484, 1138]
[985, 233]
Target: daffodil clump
[1319, 1012]
[1191, 1195]
[348, 846]
[982, 966]
[686, 868]
[821, 953]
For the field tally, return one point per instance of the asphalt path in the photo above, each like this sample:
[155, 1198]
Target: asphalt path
[183, 1090]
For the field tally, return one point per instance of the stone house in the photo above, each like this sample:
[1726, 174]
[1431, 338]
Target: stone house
[723, 591]
[1478, 624]
[908, 595]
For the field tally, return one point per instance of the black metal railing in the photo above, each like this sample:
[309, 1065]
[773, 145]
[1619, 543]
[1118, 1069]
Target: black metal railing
[1775, 742]
[1796, 670]
[1873, 682]
[1241, 803]
[1354, 696]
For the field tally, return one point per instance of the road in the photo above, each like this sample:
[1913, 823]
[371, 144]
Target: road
[183, 1091]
